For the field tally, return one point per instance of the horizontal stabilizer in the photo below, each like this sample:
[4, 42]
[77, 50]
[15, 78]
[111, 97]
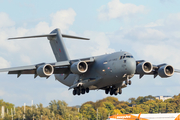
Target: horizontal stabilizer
[75, 37]
[50, 35]
[35, 36]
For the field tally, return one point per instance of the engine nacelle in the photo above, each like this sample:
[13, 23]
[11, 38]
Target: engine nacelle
[166, 71]
[144, 68]
[79, 67]
[45, 70]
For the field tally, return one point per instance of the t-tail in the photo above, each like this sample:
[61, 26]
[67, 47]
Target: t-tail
[57, 44]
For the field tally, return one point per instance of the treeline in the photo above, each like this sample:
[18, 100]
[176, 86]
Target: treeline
[91, 110]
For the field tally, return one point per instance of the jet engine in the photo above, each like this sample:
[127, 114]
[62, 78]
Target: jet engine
[165, 71]
[144, 68]
[79, 67]
[45, 70]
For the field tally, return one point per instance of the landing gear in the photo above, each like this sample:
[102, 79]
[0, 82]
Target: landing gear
[128, 82]
[120, 91]
[113, 91]
[83, 91]
[74, 92]
[80, 90]
[107, 90]
[87, 90]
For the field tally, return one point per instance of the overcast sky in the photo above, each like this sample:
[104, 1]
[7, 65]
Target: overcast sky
[148, 29]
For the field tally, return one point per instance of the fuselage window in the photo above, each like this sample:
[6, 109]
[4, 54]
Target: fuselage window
[124, 56]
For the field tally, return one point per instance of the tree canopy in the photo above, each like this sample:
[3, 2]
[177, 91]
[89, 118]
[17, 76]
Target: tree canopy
[100, 109]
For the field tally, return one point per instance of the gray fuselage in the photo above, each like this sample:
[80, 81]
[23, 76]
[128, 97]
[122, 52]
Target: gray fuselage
[107, 70]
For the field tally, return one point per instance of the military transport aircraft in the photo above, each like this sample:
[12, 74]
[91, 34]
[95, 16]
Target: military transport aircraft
[107, 72]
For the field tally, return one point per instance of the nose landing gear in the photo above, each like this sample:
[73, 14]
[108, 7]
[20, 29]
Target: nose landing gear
[128, 82]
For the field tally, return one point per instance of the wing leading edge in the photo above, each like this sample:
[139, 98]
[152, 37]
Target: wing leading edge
[50, 35]
[146, 68]
[59, 67]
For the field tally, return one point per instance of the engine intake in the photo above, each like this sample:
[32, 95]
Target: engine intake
[45, 70]
[144, 68]
[166, 71]
[79, 67]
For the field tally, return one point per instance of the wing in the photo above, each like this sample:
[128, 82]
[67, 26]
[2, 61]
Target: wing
[58, 67]
[146, 68]
[177, 70]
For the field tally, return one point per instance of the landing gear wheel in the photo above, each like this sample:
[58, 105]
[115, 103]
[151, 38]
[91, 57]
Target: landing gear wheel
[130, 82]
[87, 90]
[120, 91]
[78, 91]
[83, 91]
[115, 91]
[107, 90]
[111, 91]
[126, 82]
[74, 92]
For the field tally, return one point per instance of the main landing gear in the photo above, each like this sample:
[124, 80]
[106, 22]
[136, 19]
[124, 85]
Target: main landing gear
[113, 91]
[80, 90]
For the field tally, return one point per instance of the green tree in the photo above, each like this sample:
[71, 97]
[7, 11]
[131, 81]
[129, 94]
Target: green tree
[132, 100]
[103, 113]
[88, 111]
[170, 107]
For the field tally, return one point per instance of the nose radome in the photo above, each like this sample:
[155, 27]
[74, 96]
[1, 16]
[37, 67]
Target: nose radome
[131, 66]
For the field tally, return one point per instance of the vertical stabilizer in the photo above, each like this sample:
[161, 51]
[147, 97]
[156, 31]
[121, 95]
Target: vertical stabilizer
[58, 46]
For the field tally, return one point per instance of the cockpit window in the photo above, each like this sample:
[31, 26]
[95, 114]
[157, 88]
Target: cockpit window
[105, 62]
[128, 56]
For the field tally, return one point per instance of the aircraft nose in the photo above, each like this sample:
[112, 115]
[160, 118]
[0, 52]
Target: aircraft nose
[131, 66]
